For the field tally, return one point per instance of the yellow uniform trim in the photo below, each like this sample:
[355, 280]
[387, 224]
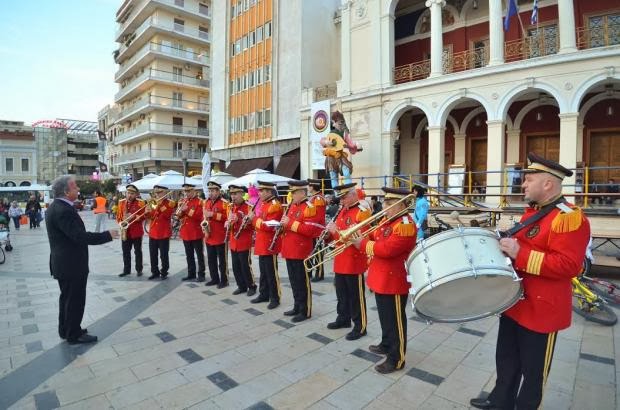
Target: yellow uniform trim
[401, 337]
[534, 262]
[567, 221]
[310, 211]
[258, 223]
[370, 248]
[250, 265]
[308, 294]
[360, 284]
[548, 356]
[295, 226]
[277, 276]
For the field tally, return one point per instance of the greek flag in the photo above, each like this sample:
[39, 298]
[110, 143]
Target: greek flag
[511, 11]
[534, 18]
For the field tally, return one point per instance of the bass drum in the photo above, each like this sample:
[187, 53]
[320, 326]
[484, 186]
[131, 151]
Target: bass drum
[461, 275]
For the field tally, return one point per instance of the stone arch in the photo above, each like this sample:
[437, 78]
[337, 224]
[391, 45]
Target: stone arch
[529, 107]
[24, 183]
[587, 85]
[418, 131]
[393, 117]
[583, 111]
[509, 97]
[427, 13]
[470, 116]
[444, 110]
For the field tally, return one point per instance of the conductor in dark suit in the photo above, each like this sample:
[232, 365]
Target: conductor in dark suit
[69, 258]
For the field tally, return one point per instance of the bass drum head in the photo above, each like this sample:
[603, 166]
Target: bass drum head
[466, 298]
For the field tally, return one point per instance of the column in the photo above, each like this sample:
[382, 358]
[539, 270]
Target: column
[344, 85]
[496, 33]
[568, 147]
[459, 148]
[436, 156]
[387, 49]
[566, 17]
[513, 138]
[496, 150]
[436, 36]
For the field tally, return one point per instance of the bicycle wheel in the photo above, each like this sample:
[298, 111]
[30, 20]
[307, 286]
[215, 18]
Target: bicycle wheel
[596, 311]
[2, 256]
[604, 289]
[587, 265]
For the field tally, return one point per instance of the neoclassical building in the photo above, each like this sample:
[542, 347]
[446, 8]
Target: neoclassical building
[426, 85]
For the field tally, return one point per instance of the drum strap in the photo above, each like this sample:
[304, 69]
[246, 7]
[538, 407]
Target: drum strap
[542, 212]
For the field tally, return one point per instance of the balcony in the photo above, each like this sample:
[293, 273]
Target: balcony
[151, 75]
[159, 155]
[151, 25]
[152, 50]
[146, 8]
[153, 102]
[154, 128]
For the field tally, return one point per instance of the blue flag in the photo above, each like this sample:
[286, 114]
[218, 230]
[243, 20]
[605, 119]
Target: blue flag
[512, 10]
[534, 18]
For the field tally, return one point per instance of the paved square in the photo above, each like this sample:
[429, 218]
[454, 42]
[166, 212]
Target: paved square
[163, 345]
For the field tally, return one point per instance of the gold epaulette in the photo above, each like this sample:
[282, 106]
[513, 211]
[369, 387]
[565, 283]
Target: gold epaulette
[404, 228]
[274, 207]
[141, 202]
[310, 211]
[568, 220]
[318, 201]
[363, 214]
[172, 203]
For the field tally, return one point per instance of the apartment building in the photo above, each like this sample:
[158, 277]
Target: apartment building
[437, 85]
[265, 53]
[18, 157]
[163, 75]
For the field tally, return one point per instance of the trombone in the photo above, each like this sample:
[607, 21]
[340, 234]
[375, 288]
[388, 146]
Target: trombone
[354, 232]
[126, 223]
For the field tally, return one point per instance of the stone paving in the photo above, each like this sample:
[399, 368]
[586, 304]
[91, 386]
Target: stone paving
[170, 345]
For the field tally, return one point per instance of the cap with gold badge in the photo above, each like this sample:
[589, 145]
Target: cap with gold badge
[540, 164]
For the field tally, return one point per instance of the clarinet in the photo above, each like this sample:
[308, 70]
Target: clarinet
[278, 232]
[321, 239]
[227, 234]
[246, 220]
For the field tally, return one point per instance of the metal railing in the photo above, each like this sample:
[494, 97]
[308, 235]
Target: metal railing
[163, 102]
[599, 36]
[160, 154]
[412, 72]
[159, 75]
[159, 128]
[466, 60]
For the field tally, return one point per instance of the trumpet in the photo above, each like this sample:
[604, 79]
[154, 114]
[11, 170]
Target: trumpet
[245, 221]
[126, 223]
[206, 228]
[181, 204]
[355, 232]
[227, 234]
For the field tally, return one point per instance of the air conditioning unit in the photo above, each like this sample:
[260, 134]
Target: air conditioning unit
[187, 66]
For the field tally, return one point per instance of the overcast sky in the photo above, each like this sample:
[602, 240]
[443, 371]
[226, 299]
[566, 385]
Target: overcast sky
[56, 58]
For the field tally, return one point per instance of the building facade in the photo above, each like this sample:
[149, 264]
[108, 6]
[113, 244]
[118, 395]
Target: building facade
[435, 85]
[265, 53]
[164, 59]
[18, 156]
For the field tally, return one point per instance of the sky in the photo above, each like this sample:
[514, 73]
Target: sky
[56, 58]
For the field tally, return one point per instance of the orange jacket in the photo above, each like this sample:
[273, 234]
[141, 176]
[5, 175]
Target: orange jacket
[160, 226]
[389, 248]
[267, 211]
[125, 209]
[244, 242]
[551, 253]
[304, 224]
[219, 207]
[351, 261]
[190, 220]
[100, 205]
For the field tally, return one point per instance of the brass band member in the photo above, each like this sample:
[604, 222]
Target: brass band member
[269, 209]
[189, 211]
[301, 224]
[546, 253]
[389, 247]
[160, 231]
[240, 241]
[318, 201]
[349, 266]
[215, 210]
[129, 212]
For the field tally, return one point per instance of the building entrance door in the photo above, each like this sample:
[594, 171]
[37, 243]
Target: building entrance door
[604, 152]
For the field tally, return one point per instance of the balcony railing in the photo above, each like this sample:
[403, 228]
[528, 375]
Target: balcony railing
[466, 60]
[159, 128]
[164, 102]
[539, 44]
[412, 72]
[160, 154]
[600, 35]
[158, 75]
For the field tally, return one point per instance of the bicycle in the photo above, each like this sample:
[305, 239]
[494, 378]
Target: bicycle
[607, 290]
[589, 305]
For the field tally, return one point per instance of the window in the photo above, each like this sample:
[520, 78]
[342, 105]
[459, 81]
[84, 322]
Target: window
[267, 118]
[25, 165]
[259, 34]
[238, 84]
[604, 30]
[202, 148]
[252, 38]
[232, 11]
[179, 25]
[245, 122]
[232, 87]
[259, 76]
[177, 99]
[245, 82]
[177, 149]
[8, 164]
[177, 125]
[203, 32]
[252, 120]
[203, 127]
[232, 49]
[268, 72]
[259, 119]
[203, 9]
[232, 126]
[268, 29]
[543, 41]
[244, 42]
[177, 74]
[179, 3]
[246, 5]
[237, 47]
[251, 79]
[239, 8]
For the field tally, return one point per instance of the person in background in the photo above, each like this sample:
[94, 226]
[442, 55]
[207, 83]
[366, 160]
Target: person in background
[421, 211]
[15, 213]
[332, 206]
[100, 212]
[33, 208]
[611, 188]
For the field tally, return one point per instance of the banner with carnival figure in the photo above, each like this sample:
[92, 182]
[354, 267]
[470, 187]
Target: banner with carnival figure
[319, 128]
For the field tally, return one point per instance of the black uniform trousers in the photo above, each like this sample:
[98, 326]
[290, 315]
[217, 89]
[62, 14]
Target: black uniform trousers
[318, 271]
[216, 255]
[269, 281]
[192, 247]
[126, 245]
[300, 283]
[71, 302]
[391, 309]
[351, 305]
[159, 248]
[521, 354]
[242, 269]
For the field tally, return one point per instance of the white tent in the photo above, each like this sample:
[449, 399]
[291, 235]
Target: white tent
[169, 179]
[218, 176]
[252, 177]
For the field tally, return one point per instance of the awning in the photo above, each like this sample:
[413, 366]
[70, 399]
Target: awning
[239, 167]
[289, 165]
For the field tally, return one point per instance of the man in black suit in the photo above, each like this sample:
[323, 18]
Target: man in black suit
[69, 258]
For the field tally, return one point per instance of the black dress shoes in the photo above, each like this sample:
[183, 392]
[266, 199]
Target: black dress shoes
[482, 403]
[338, 325]
[211, 283]
[139, 273]
[62, 335]
[85, 338]
[200, 279]
[354, 335]
[316, 279]
[238, 291]
[387, 367]
[154, 276]
[188, 278]
[122, 275]
[273, 304]
[252, 291]
[291, 312]
[222, 285]
[259, 300]
[377, 349]
[299, 318]
[164, 275]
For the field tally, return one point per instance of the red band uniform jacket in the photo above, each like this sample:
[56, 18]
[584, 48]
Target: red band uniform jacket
[219, 207]
[126, 208]
[244, 241]
[318, 201]
[389, 247]
[190, 220]
[551, 253]
[270, 210]
[160, 227]
[304, 225]
[351, 261]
